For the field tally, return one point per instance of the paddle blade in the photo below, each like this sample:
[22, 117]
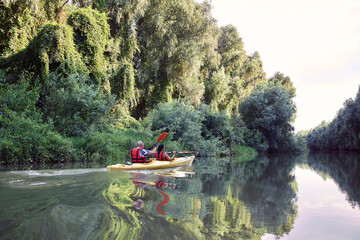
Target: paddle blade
[162, 136]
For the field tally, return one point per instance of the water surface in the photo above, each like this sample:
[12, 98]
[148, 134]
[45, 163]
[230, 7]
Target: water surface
[306, 197]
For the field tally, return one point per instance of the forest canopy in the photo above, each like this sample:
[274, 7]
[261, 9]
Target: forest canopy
[101, 67]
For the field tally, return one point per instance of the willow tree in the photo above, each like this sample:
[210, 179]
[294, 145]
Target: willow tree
[21, 20]
[92, 39]
[242, 73]
[252, 71]
[51, 47]
[231, 49]
[217, 88]
[121, 17]
[174, 42]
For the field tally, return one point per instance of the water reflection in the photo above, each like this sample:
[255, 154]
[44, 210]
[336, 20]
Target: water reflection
[343, 168]
[222, 199]
[216, 198]
[271, 197]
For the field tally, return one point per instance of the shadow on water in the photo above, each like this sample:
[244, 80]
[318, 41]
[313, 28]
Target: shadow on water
[214, 198]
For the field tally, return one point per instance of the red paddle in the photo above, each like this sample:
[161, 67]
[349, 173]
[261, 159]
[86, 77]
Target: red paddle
[161, 137]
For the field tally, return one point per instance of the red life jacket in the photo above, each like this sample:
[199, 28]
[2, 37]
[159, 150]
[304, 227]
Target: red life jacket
[135, 155]
[160, 157]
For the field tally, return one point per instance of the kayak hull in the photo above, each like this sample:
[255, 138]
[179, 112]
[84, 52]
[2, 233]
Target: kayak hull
[153, 164]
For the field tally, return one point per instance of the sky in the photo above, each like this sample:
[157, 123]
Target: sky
[314, 42]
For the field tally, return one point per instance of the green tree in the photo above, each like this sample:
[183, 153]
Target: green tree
[269, 110]
[51, 47]
[21, 20]
[231, 49]
[284, 81]
[242, 73]
[217, 88]
[342, 133]
[91, 37]
[252, 71]
[174, 38]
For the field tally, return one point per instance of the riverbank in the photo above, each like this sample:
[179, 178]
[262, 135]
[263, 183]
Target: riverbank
[111, 146]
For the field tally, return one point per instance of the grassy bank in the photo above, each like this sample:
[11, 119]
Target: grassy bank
[244, 153]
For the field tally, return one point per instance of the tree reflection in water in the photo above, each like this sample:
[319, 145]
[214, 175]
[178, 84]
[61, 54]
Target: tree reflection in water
[223, 199]
[344, 168]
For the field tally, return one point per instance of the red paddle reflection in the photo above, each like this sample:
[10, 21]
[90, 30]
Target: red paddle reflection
[162, 203]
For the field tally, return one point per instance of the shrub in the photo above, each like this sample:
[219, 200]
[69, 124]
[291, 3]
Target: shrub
[74, 105]
[23, 136]
[25, 140]
[111, 145]
[185, 124]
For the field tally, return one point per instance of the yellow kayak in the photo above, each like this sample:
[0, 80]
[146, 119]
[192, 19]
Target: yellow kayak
[153, 164]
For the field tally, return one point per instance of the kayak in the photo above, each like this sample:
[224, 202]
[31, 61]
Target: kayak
[153, 164]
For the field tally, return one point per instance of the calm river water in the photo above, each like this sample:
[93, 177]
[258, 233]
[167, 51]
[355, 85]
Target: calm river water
[278, 197]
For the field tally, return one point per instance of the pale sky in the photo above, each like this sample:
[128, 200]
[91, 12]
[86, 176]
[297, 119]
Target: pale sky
[314, 42]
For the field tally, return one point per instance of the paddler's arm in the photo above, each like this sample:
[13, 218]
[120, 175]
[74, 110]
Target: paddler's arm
[152, 151]
[169, 158]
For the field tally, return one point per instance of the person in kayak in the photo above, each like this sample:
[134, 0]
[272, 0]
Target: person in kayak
[161, 155]
[138, 154]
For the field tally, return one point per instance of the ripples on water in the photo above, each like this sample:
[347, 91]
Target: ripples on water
[266, 198]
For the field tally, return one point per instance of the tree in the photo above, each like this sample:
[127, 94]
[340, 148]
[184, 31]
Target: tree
[174, 38]
[231, 50]
[342, 133]
[217, 88]
[21, 20]
[269, 110]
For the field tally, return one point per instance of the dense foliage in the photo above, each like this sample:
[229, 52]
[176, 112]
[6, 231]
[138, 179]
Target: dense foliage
[23, 135]
[98, 66]
[343, 133]
[267, 113]
[197, 129]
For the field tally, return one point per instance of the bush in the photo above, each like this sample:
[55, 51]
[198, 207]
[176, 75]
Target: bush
[23, 136]
[254, 139]
[24, 140]
[215, 124]
[185, 124]
[74, 105]
[112, 145]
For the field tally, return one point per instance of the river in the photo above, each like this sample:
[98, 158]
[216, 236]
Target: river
[277, 197]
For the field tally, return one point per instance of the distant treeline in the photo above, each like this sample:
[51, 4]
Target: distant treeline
[343, 133]
[75, 73]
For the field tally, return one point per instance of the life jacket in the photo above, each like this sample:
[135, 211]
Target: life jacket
[135, 155]
[161, 156]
